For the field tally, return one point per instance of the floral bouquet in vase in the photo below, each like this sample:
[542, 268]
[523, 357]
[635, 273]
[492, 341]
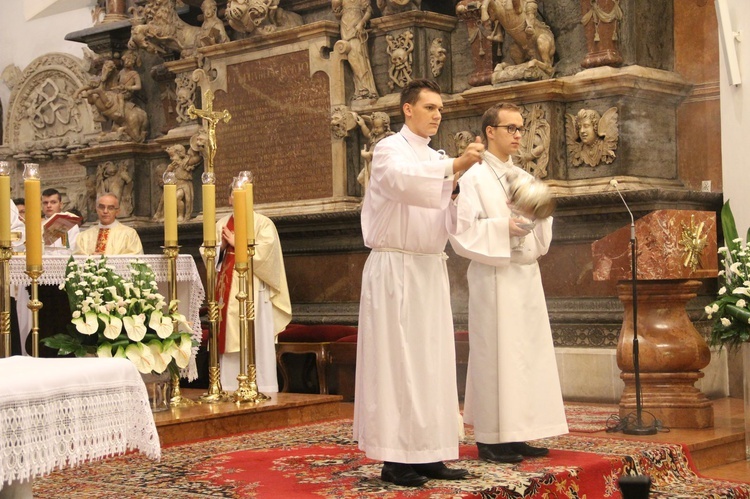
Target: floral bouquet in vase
[730, 310]
[117, 317]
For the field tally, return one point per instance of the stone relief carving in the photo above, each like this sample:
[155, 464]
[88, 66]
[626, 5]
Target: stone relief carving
[602, 29]
[183, 162]
[478, 32]
[184, 97]
[374, 128]
[388, 7]
[111, 95]
[353, 16]
[44, 119]
[115, 177]
[263, 16]
[591, 138]
[438, 56]
[400, 50]
[461, 141]
[212, 30]
[342, 120]
[533, 153]
[531, 48]
[597, 15]
[157, 28]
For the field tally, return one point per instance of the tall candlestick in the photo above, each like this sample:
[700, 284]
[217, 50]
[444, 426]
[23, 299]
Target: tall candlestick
[170, 215]
[209, 212]
[33, 200]
[4, 205]
[240, 226]
[250, 213]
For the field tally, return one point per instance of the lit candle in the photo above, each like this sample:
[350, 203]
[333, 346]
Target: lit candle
[250, 213]
[240, 225]
[33, 200]
[209, 214]
[4, 205]
[170, 215]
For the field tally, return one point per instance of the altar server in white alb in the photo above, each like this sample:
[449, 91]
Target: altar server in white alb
[406, 405]
[512, 387]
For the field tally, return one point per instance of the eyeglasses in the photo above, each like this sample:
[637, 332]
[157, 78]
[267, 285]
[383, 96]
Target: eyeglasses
[512, 129]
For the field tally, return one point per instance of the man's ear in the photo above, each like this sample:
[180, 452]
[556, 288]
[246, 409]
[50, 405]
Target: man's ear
[407, 110]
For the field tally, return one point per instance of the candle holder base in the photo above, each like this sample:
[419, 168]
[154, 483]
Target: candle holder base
[177, 399]
[215, 393]
[247, 392]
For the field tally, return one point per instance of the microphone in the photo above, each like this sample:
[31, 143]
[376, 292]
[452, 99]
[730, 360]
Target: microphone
[614, 184]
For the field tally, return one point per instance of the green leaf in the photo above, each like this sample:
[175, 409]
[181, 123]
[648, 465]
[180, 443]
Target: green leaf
[729, 228]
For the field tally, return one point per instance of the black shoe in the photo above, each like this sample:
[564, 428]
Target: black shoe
[526, 450]
[439, 471]
[402, 474]
[498, 453]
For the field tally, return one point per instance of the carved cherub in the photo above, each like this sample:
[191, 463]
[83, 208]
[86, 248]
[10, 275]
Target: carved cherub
[182, 162]
[374, 127]
[462, 140]
[592, 139]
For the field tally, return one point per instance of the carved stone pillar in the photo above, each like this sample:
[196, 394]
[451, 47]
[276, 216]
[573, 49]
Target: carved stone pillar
[481, 47]
[602, 21]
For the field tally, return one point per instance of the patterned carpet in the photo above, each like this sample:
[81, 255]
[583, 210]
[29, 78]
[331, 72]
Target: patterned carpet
[590, 418]
[320, 460]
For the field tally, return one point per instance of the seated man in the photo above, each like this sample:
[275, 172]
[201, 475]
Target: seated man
[108, 237]
[52, 204]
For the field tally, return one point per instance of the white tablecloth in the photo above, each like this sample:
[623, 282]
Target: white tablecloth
[63, 412]
[191, 295]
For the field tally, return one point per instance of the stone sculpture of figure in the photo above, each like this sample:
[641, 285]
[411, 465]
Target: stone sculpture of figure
[388, 7]
[532, 42]
[400, 50]
[111, 95]
[462, 140]
[114, 178]
[212, 30]
[182, 163]
[438, 56]
[374, 127]
[354, 15]
[533, 153]
[157, 28]
[592, 139]
[265, 16]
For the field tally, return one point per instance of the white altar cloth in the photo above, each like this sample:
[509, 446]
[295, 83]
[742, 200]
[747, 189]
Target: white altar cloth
[191, 296]
[63, 412]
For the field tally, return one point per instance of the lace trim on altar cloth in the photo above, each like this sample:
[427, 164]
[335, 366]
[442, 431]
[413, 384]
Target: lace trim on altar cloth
[64, 430]
[54, 275]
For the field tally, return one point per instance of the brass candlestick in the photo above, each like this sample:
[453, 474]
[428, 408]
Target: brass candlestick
[5, 253]
[34, 305]
[252, 371]
[171, 250]
[247, 390]
[215, 392]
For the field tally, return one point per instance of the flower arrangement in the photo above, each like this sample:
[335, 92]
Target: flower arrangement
[115, 317]
[730, 310]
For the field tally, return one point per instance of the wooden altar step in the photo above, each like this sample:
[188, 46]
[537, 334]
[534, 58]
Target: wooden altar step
[202, 421]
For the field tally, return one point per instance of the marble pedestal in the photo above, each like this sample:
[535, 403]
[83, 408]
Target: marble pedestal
[671, 354]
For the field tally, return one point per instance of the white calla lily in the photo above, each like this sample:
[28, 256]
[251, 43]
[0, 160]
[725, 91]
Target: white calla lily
[161, 359]
[181, 350]
[140, 355]
[113, 326]
[87, 324]
[135, 326]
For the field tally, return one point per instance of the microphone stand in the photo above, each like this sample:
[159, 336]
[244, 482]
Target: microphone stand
[638, 428]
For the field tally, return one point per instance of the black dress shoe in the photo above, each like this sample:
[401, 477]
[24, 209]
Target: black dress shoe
[527, 450]
[402, 474]
[498, 453]
[439, 471]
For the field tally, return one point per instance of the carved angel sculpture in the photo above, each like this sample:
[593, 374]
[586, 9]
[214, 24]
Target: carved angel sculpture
[374, 127]
[592, 139]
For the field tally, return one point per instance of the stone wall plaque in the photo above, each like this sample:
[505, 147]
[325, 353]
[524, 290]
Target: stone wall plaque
[279, 129]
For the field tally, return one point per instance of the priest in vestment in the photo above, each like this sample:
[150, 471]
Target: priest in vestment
[512, 388]
[273, 308]
[406, 399]
[108, 237]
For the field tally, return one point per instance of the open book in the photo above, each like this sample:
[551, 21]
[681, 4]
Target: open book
[58, 226]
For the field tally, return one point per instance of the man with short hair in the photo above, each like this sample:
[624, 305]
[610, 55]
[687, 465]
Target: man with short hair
[512, 385]
[406, 404]
[109, 237]
[52, 204]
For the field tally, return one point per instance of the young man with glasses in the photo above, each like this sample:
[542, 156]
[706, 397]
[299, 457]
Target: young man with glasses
[406, 400]
[109, 237]
[512, 387]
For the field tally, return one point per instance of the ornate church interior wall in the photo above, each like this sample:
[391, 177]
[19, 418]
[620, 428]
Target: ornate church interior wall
[310, 94]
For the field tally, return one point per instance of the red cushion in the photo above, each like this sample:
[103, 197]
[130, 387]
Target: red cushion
[352, 338]
[316, 333]
[462, 336]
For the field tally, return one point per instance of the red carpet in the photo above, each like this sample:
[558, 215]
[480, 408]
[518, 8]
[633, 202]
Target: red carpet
[320, 460]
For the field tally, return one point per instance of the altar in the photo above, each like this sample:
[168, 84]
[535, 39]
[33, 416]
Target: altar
[57, 413]
[190, 290]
